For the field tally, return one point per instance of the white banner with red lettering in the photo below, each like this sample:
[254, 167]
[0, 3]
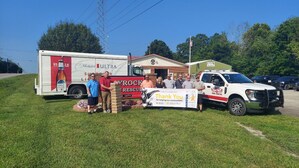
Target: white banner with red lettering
[156, 97]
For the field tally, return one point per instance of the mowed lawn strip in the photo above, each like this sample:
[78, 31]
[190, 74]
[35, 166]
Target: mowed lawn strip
[38, 132]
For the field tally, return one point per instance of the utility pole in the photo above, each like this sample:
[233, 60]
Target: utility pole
[101, 26]
[6, 65]
[190, 46]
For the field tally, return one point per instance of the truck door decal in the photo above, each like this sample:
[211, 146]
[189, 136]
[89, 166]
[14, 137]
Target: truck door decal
[61, 68]
[219, 98]
[216, 90]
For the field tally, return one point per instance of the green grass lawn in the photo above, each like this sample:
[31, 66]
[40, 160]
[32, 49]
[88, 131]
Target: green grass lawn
[38, 132]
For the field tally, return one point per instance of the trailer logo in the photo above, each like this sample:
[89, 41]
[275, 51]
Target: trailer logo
[106, 66]
[88, 66]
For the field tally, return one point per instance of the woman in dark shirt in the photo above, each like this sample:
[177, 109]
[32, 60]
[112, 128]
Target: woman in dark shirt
[160, 83]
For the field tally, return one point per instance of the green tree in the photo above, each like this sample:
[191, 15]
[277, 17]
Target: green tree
[198, 51]
[71, 37]
[256, 51]
[216, 47]
[159, 47]
[219, 48]
[286, 39]
[9, 66]
[182, 53]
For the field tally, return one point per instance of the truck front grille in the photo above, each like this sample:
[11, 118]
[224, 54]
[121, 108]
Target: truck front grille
[262, 94]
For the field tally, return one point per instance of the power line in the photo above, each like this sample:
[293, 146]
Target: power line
[17, 50]
[89, 16]
[115, 16]
[130, 11]
[135, 16]
[123, 9]
[85, 11]
[112, 6]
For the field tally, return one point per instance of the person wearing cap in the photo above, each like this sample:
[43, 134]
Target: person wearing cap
[188, 84]
[146, 83]
[179, 82]
[199, 85]
[169, 83]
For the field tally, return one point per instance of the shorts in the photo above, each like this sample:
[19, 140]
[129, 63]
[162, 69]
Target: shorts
[92, 101]
[199, 99]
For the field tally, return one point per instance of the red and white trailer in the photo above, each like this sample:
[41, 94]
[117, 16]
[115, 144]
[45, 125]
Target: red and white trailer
[66, 73]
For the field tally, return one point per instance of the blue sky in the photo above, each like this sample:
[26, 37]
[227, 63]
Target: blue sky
[22, 22]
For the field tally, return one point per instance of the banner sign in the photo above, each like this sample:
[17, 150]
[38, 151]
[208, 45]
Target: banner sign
[156, 97]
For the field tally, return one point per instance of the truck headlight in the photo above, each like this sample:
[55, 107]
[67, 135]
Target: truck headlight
[250, 94]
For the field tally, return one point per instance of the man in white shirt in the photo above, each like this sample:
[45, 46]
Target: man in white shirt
[199, 85]
[169, 83]
[188, 84]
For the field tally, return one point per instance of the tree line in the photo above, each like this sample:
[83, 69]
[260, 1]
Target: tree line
[8, 66]
[260, 50]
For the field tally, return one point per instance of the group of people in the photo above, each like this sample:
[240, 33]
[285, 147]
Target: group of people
[96, 89]
[102, 89]
[180, 83]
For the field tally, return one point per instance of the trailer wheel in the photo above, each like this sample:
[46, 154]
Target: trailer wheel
[77, 92]
[237, 107]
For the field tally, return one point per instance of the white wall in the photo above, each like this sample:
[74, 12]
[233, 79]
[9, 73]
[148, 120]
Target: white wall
[157, 62]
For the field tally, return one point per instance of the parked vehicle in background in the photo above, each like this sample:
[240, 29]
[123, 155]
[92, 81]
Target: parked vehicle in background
[260, 79]
[272, 78]
[265, 79]
[296, 86]
[239, 93]
[285, 82]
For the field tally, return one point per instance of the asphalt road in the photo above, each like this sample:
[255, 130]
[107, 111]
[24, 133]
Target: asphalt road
[8, 75]
[291, 103]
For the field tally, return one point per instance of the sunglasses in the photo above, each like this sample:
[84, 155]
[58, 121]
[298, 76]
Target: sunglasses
[92, 76]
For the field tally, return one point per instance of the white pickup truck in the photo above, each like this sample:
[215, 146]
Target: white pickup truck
[239, 93]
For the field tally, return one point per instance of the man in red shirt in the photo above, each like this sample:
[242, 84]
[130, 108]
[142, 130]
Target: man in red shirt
[105, 82]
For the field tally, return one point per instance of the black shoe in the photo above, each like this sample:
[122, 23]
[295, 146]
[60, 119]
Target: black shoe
[200, 111]
[89, 113]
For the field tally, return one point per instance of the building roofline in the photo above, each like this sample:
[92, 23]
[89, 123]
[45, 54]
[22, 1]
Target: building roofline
[159, 56]
[198, 62]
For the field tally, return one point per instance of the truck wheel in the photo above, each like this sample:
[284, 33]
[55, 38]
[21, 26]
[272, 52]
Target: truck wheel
[237, 107]
[77, 92]
[286, 87]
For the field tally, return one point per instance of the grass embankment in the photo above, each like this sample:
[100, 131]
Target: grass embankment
[37, 132]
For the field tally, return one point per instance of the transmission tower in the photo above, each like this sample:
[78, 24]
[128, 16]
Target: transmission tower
[101, 26]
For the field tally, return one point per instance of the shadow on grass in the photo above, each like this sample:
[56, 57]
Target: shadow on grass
[58, 98]
[265, 113]
[250, 113]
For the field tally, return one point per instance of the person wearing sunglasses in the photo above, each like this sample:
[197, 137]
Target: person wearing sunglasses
[146, 83]
[93, 88]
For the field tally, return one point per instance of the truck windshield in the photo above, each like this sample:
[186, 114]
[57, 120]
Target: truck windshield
[236, 78]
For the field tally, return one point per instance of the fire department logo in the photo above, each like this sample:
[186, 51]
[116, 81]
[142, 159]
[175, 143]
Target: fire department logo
[153, 61]
[216, 91]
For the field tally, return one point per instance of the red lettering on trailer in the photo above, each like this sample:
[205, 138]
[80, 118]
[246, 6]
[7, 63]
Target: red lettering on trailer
[130, 85]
